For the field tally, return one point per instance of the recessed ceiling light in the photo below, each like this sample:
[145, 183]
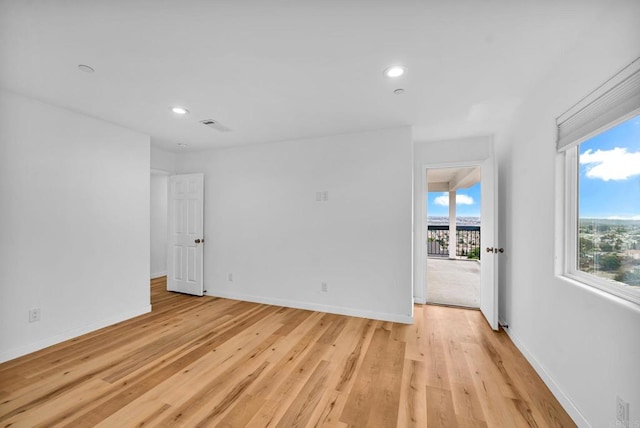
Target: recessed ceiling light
[86, 68]
[179, 110]
[395, 71]
[399, 91]
[182, 146]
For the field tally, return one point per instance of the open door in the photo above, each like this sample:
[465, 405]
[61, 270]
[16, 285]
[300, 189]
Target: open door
[186, 237]
[489, 243]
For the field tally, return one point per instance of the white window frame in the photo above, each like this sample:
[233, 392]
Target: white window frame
[571, 245]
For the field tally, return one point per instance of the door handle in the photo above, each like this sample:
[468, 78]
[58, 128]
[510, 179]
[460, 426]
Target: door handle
[495, 250]
[197, 241]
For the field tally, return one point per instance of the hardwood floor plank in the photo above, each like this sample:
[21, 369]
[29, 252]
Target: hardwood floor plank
[203, 361]
[294, 380]
[385, 399]
[494, 405]
[413, 399]
[440, 413]
[144, 413]
[358, 407]
[39, 414]
[466, 403]
[415, 337]
[242, 412]
[433, 348]
[346, 357]
[231, 397]
[301, 409]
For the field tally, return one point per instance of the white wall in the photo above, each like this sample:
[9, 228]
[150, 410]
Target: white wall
[430, 153]
[163, 161]
[263, 224]
[158, 218]
[74, 224]
[585, 344]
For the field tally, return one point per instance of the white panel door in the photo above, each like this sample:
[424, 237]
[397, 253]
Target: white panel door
[489, 243]
[186, 237]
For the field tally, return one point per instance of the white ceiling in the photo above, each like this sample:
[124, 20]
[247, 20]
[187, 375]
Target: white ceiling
[448, 179]
[278, 70]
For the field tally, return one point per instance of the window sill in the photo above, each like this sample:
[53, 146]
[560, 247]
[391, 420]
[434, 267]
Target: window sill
[614, 296]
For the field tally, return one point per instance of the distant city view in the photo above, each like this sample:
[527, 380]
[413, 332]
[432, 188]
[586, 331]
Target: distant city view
[610, 249]
[460, 221]
[467, 237]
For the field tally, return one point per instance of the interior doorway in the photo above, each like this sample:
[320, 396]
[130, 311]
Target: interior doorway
[453, 236]
[158, 223]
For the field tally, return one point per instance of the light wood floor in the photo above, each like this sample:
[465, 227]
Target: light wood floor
[202, 361]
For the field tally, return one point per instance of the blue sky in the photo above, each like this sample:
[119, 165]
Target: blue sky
[468, 203]
[610, 173]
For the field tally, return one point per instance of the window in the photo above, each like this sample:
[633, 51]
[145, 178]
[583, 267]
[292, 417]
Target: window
[600, 140]
[608, 214]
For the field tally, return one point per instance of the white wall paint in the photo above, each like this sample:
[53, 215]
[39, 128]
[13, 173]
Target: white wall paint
[158, 225]
[162, 160]
[437, 153]
[263, 224]
[585, 344]
[74, 224]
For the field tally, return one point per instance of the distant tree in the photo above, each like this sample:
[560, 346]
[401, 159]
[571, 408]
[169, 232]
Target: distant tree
[474, 253]
[606, 247]
[618, 245]
[586, 245]
[630, 278]
[610, 262]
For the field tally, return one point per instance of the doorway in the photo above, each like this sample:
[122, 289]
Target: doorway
[453, 208]
[158, 223]
[488, 230]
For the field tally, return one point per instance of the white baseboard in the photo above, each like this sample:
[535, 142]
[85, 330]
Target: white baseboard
[564, 399]
[339, 310]
[420, 300]
[158, 274]
[43, 343]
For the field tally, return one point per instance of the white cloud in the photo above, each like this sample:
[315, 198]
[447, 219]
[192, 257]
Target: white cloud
[442, 200]
[460, 200]
[464, 200]
[614, 164]
[617, 217]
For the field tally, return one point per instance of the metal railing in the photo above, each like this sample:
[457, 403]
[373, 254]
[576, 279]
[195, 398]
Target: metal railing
[467, 241]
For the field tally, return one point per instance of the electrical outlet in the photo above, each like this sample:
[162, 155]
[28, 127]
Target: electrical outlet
[622, 412]
[325, 195]
[230, 277]
[323, 287]
[34, 314]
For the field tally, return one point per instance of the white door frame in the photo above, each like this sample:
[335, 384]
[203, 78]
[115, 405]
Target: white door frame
[492, 318]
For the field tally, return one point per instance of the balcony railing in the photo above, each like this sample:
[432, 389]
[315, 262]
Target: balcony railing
[467, 241]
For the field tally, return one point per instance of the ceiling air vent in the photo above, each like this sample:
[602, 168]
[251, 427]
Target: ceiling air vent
[215, 125]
